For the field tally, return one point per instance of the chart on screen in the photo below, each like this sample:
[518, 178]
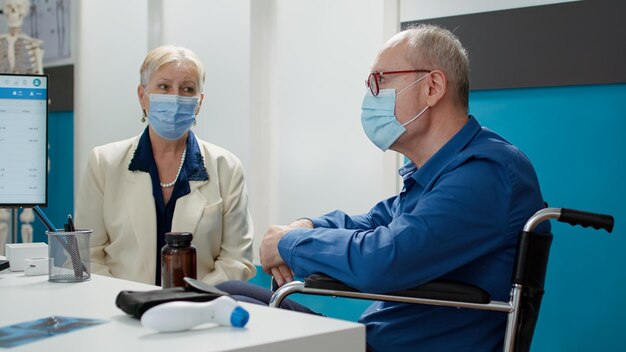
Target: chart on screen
[23, 139]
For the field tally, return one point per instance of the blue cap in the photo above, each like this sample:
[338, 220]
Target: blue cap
[239, 317]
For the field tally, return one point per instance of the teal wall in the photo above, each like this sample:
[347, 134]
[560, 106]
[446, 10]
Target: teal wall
[574, 137]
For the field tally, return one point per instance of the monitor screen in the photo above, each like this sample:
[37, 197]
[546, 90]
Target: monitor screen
[23, 139]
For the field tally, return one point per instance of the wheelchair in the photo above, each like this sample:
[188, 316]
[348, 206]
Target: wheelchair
[527, 290]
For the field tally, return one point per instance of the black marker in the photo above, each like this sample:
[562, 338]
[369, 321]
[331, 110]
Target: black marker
[70, 223]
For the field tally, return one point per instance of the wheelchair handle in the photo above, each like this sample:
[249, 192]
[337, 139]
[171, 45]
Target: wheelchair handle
[572, 217]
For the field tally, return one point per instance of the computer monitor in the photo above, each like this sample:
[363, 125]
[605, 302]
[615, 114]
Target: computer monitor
[23, 140]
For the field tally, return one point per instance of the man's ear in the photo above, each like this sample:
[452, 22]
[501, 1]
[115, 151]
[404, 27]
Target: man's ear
[437, 87]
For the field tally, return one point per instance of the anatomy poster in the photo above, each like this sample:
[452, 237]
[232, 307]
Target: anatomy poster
[50, 21]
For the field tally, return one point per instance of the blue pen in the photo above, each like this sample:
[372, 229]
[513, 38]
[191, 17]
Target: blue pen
[44, 219]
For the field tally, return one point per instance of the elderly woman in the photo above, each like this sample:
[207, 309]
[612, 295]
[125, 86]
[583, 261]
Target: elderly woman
[166, 180]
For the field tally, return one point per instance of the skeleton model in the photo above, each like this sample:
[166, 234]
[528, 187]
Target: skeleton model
[19, 53]
[26, 217]
[5, 217]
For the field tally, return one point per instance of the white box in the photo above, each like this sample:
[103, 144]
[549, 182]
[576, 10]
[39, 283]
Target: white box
[17, 253]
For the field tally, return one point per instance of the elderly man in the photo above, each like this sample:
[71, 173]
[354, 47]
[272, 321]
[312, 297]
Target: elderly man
[467, 193]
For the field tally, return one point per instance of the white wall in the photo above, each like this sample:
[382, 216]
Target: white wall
[219, 32]
[323, 55]
[309, 63]
[111, 44]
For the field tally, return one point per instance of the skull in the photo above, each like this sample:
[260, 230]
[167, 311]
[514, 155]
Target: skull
[15, 11]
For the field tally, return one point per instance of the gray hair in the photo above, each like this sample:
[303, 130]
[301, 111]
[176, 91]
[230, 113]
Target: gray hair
[432, 47]
[169, 54]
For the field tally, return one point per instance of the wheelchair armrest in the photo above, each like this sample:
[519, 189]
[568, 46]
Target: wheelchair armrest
[439, 290]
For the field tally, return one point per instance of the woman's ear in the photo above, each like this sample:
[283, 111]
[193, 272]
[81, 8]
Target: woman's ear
[199, 103]
[141, 93]
[438, 84]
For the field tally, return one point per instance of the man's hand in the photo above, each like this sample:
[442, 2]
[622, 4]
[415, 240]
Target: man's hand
[270, 258]
[271, 261]
[305, 223]
[282, 274]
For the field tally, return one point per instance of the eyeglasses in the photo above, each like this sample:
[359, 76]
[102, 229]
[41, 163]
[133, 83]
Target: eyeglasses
[375, 77]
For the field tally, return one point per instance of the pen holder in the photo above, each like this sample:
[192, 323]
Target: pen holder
[68, 254]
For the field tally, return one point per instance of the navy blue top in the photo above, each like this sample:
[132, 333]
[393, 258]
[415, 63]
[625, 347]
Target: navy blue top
[193, 170]
[458, 217]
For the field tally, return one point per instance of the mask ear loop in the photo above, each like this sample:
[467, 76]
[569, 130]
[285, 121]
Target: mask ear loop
[412, 84]
[416, 116]
[423, 110]
[195, 114]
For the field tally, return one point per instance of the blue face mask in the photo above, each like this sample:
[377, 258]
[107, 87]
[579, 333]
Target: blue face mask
[378, 117]
[171, 116]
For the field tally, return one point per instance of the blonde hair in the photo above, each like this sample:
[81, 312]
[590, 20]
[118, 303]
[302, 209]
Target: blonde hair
[169, 54]
[431, 47]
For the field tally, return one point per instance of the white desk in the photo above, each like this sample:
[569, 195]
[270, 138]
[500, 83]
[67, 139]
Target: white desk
[27, 298]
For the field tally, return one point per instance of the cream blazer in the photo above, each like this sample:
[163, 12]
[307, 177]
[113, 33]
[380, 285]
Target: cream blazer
[117, 204]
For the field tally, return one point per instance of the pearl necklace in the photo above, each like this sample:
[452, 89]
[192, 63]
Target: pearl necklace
[180, 167]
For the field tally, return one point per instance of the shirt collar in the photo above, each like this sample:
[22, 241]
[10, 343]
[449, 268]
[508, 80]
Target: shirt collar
[424, 174]
[194, 161]
[143, 154]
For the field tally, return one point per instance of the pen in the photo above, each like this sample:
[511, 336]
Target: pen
[44, 219]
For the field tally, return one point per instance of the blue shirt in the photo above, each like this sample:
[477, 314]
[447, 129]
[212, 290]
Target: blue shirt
[458, 218]
[193, 169]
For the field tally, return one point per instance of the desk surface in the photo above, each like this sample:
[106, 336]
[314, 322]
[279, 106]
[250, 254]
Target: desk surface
[26, 298]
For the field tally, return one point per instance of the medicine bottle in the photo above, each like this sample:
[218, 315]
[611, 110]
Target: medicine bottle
[178, 259]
